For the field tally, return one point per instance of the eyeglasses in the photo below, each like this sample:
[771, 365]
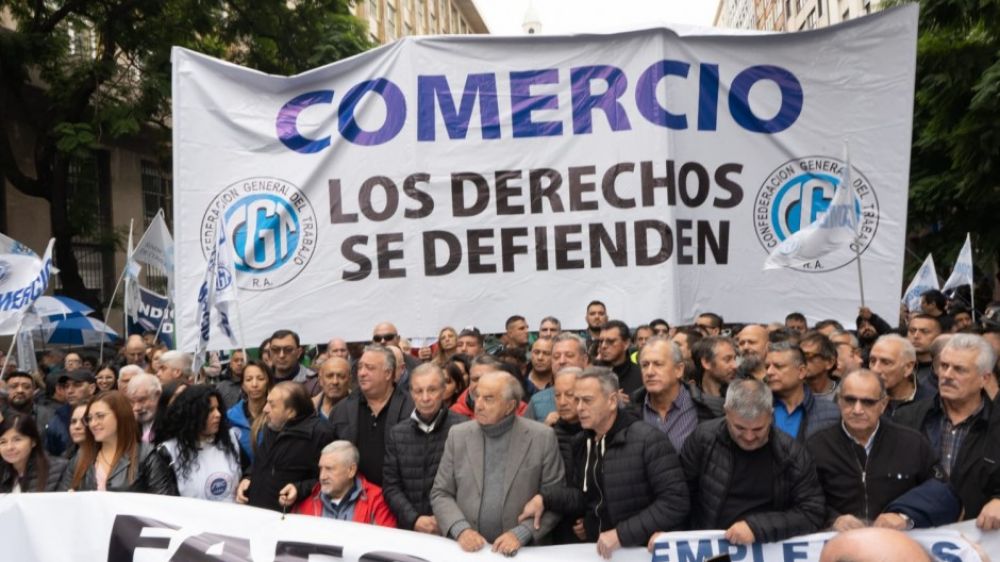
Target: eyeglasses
[382, 338]
[866, 402]
[288, 350]
[96, 416]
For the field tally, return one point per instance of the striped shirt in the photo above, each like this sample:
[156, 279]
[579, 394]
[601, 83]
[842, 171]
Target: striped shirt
[680, 421]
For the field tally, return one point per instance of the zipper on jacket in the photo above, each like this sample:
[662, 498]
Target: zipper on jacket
[864, 483]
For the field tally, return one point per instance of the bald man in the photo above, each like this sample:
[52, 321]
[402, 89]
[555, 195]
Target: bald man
[385, 333]
[873, 544]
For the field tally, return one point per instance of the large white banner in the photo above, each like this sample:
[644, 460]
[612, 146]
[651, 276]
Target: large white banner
[119, 527]
[458, 180]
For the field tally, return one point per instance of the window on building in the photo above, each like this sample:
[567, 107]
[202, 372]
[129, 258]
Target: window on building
[157, 193]
[89, 193]
[391, 31]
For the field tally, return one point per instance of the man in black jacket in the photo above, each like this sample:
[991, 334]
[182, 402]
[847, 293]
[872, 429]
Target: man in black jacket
[413, 450]
[626, 479]
[958, 424]
[366, 415]
[749, 478]
[866, 462]
[285, 468]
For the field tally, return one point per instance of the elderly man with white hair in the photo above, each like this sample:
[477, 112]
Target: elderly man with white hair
[175, 365]
[961, 426]
[143, 392]
[342, 492]
[126, 374]
[491, 468]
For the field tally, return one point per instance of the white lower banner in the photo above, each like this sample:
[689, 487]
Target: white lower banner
[119, 527]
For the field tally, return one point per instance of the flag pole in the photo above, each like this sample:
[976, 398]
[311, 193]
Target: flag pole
[107, 314]
[13, 342]
[128, 259]
[861, 279]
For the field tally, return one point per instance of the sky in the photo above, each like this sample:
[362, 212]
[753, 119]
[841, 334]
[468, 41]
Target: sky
[504, 17]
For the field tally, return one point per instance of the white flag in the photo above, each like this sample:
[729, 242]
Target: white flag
[925, 280]
[962, 273]
[156, 248]
[833, 229]
[10, 246]
[132, 299]
[218, 290]
[23, 278]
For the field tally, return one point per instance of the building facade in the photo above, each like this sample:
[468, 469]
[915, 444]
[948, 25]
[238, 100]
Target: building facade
[789, 15]
[127, 183]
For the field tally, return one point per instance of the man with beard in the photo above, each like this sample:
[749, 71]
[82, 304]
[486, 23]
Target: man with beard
[144, 392]
[21, 389]
[286, 466]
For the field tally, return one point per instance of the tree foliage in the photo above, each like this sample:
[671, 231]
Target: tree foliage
[955, 166]
[79, 74]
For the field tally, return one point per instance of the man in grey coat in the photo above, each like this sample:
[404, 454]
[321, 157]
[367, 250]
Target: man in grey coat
[491, 468]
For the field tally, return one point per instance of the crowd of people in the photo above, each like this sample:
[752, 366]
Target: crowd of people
[608, 436]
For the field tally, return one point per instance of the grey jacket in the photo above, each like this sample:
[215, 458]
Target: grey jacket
[533, 463]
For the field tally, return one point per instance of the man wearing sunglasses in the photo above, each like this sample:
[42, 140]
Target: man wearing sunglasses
[285, 353]
[386, 334]
[866, 461]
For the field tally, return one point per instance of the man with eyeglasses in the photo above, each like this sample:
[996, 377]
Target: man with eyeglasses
[962, 427]
[613, 352]
[285, 353]
[821, 361]
[866, 461]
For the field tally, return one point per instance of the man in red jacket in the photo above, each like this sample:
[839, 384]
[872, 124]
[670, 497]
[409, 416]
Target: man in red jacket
[344, 494]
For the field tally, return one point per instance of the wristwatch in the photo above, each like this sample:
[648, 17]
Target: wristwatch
[906, 519]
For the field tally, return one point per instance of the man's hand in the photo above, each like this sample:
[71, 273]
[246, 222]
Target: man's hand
[607, 543]
[989, 517]
[579, 531]
[890, 521]
[425, 353]
[551, 419]
[652, 542]
[427, 524]
[471, 541]
[847, 522]
[739, 533]
[506, 544]
[241, 491]
[534, 508]
[288, 495]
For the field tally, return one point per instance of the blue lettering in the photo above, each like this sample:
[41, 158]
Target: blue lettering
[395, 113]
[645, 94]
[791, 99]
[481, 86]
[793, 551]
[584, 102]
[523, 103]
[685, 554]
[287, 122]
[946, 552]
[708, 96]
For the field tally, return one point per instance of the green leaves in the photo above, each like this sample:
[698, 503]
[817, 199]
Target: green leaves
[75, 139]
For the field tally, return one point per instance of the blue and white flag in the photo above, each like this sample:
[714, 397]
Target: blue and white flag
[23, 278]
[132, 270]
[218, 290]
[156, 249]
[962, 273]
[10, 246]
[925, 280]
[835, 228]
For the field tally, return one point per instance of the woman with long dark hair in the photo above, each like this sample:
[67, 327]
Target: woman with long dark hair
[247, 416]
[24, 466]
[203, 451]
[111, 458]
[77, 430]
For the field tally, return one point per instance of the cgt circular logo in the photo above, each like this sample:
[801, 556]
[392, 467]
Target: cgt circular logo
[797, 192]
[270, 228]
